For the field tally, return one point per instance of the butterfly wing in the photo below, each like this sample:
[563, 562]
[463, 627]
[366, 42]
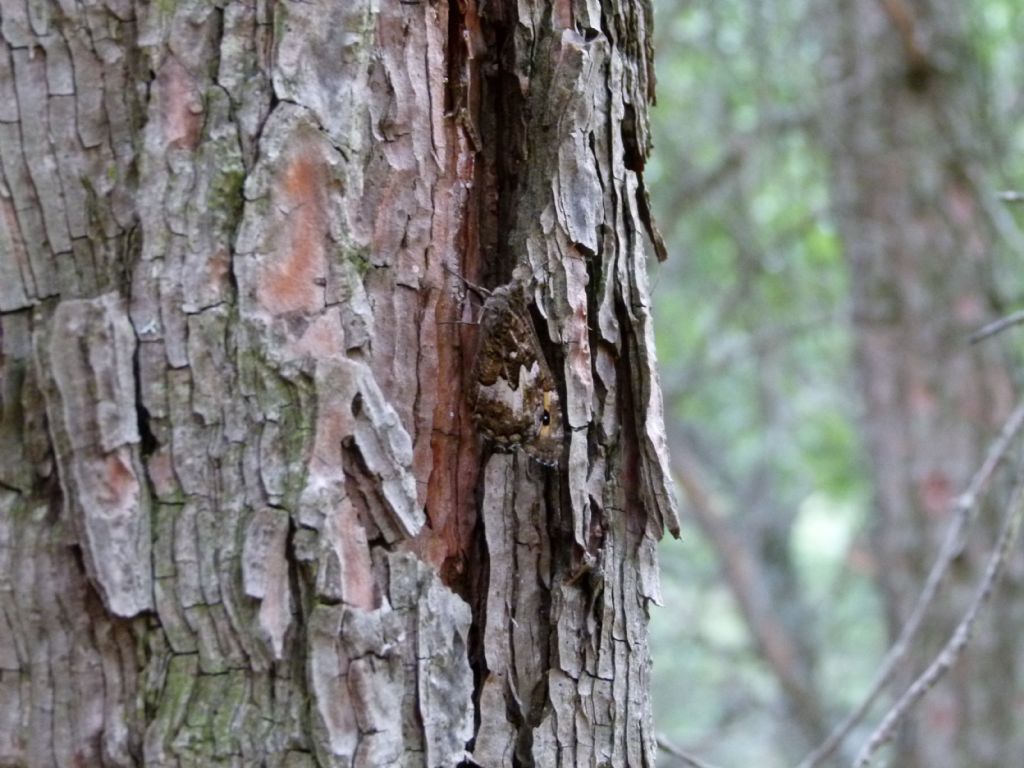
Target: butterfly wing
[515, 397]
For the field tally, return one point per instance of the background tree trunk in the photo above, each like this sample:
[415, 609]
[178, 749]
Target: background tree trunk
[245, 517]
[906, 141]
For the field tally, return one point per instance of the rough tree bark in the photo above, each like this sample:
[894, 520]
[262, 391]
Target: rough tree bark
[906, 142]
[245, 517]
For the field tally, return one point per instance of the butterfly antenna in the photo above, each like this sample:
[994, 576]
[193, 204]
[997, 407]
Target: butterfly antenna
[477, 289]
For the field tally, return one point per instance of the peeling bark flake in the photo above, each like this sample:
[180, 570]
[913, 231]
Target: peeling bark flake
[91, 407]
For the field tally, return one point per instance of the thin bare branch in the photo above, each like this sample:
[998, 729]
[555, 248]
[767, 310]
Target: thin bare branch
[960, 637]
[963, 514]
[991, 201]
[999, 325]
[694, 762]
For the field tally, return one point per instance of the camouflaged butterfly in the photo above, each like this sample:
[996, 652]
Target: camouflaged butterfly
[514, 395]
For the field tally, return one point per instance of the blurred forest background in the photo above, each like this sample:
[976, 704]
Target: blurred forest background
[831, 180]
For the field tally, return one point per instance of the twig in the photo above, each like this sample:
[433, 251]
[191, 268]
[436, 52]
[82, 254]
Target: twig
[666, 746]
[999, 325]
[960, 637]
[950, 547]
[995, 211]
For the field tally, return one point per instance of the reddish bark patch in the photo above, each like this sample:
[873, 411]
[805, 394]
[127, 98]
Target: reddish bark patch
[936, 493]
[922, 397]
[358, 582]
[118, 480]
[332, 425]
[160, 470]
[942, 716]
[219, 266]
[960, 204]
[969, 309]
[455, 458]
[181, 105]
[562, 14]
[294, 282]
[579, 350]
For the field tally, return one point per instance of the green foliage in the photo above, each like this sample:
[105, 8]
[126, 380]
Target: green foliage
[753, 337]
[996, 27]
[755, 345]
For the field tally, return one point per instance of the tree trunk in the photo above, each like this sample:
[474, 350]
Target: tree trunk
[245, 515]
[905, 138]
